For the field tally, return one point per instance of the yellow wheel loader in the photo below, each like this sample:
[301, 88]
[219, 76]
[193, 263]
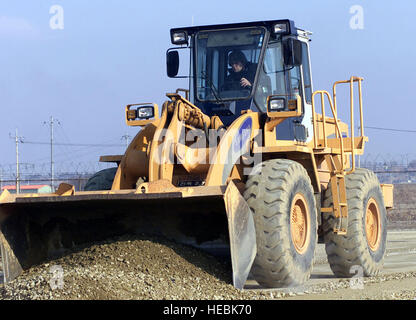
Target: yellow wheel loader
[247, 158]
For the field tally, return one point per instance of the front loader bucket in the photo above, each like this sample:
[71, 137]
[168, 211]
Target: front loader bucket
[37, 227]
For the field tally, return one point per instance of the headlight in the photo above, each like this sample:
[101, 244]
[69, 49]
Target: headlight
[283, 27]
[277, 104]
[145, 112]
[179, 37]
[280, 28]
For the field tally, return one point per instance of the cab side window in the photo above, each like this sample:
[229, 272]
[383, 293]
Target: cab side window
[306, 73]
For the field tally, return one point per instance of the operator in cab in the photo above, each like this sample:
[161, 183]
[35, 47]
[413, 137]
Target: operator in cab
[242, 72]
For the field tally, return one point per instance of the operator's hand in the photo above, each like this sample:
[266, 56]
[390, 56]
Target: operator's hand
[245, 83]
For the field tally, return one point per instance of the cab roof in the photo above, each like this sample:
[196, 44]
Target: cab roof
[265, 23]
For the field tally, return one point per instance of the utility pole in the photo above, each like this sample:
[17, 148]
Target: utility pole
[51, 123]
[126, 137]
[17, 141]
[359, 157]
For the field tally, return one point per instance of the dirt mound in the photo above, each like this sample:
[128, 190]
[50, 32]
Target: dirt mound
[129, 268]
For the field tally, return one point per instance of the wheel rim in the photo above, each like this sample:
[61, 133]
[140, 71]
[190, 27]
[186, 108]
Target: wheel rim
[372, 224]
[299, 223]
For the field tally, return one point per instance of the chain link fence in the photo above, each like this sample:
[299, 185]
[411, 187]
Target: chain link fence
[37, 177]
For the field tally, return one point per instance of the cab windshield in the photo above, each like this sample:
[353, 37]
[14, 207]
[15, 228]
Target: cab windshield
[226, 63]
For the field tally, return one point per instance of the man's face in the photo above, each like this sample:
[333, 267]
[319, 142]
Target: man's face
[237, 66]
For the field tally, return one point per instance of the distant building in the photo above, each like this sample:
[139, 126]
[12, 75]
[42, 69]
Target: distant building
[32, 188]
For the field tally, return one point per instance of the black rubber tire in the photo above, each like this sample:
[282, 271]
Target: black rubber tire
[102, 180]
[270, 193]
[351, 253]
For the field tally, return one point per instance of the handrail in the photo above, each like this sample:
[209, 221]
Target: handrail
[351, 82]
[183, 90]
[334, 113]
[333, 105]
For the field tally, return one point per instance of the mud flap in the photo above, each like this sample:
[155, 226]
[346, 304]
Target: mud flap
[242, 234]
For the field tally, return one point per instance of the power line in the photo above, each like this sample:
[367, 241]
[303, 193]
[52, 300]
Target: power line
[126, 137]
[75, 144]
[394, 171]
[390, 129]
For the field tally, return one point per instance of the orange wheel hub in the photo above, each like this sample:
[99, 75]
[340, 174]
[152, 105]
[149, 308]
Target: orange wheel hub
[299, 223]
[372, 224]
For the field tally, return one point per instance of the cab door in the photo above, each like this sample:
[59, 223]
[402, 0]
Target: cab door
[277, 78]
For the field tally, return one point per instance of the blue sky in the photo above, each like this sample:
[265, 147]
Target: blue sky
[111, 53]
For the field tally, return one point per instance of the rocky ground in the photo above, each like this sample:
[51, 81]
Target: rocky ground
[143, 267]
[153, 268]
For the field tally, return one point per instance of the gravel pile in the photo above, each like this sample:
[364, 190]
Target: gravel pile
[129, 268]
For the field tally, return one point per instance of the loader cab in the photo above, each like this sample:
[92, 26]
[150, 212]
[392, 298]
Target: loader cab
[276, 64]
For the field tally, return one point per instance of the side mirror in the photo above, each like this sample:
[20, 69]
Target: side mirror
[292, 52]
[172, 63]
